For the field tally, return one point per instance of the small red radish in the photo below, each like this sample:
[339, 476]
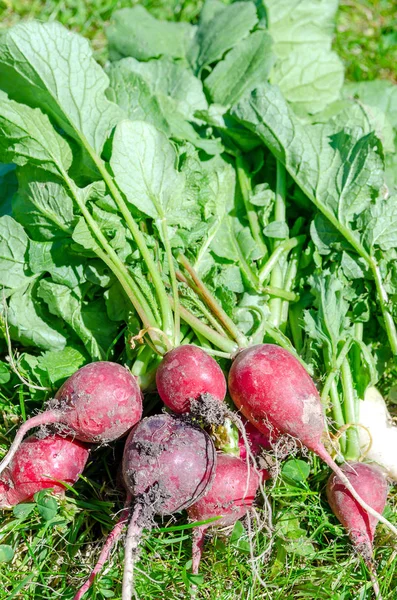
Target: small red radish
[271, 387]
[256, 439]
[41, 463]
[98, 403]
[186, 373]
[168, 464]
[371, 484]
[229, 497]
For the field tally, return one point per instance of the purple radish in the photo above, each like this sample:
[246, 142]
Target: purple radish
[97, 404]
[271, 387]
[168, 464]
[231, 495]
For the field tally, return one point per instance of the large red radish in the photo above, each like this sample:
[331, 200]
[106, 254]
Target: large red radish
[41, 463]
[97, 404]
[272, 388]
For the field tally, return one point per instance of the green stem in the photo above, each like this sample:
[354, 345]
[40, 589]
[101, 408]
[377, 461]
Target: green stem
[384, 304]
[202, 341]
[337, 415]
[246, 189]
[295, 314]
[212, 336]
[145, 355]
[218, 353]
[280, 293]
[174, 283]
[284, 246]
[200, 304]
[356, 350]
[289, 280]
[166, 313]
[112, 260]
[213, 304]
[334, 371]
[277, 275]
[209, 316]
[349, 410]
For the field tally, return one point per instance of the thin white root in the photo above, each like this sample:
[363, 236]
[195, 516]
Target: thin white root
[251, 460]
[375, 583]
[253, 561]
[134, 534]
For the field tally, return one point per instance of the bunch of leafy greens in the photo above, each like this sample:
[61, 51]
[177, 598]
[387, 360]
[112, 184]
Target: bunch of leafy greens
[218, 184]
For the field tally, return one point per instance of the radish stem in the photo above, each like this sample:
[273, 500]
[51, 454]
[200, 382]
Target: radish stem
[213, 304]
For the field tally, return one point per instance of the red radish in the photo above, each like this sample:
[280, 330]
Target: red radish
[186, 373]
[168, 464]
[229, 497]
[41, 463]
[98, 403]
[372, 486]
[256, 439]
[271, 387]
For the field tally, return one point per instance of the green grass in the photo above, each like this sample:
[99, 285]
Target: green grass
[366, 39]
[311, 556]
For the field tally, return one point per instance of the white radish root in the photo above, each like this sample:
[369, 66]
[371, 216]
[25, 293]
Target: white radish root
[378, 435]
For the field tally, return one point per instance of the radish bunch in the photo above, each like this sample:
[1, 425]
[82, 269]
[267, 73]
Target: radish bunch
[274, 392]
[170, 462]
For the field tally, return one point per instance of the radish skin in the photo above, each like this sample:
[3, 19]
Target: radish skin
[229, 497]
[256, 439]
[168, 464]
[270, 386]
[185, 374]
[372, 486]
[98, 403]
[39, 464]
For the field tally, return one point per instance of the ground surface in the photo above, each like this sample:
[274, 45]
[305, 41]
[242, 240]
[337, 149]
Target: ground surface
[311, 557]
